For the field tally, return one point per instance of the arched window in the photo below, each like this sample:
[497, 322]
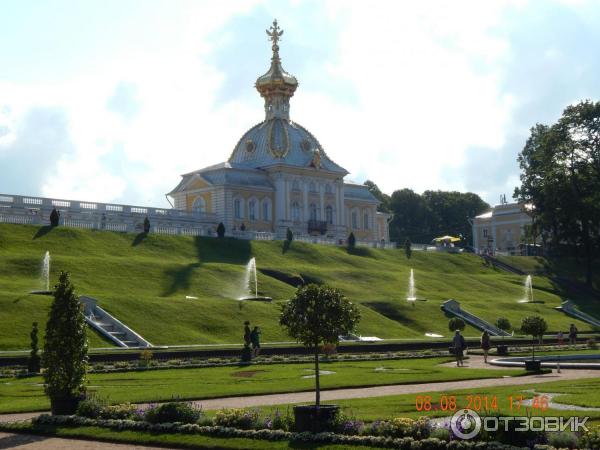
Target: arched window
[237, 209]
[328, 189]
[295, 211]
[329, 215]
[354, 219]
[313, 211]
[266, 210]
[252, 209]
[199, 205]
[366, 224]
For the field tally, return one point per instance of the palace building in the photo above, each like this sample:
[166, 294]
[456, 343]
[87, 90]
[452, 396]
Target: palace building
[279, 176]
[501, 229]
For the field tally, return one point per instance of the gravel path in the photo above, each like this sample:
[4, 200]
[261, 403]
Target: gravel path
[32, 442]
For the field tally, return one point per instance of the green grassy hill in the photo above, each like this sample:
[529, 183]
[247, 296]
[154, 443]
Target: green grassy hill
[144, 281]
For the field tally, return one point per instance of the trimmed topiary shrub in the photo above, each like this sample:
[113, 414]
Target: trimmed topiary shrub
[90, 407]
[237, 418]
[456, 323]
[124, 411]
[173, 412]
[54, 217]
[221, 230]
[563, 439]
[33, 364]
[351, 240]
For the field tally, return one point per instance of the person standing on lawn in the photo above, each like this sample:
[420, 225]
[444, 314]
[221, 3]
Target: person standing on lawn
[485, 345]
[255, 339]
[459, 345]
[560, 338]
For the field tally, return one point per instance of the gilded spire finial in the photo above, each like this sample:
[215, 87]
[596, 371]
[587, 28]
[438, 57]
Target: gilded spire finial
[276, 86]
[274, 33]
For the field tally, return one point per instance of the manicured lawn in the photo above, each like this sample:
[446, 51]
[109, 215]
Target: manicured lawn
[164, 439]
[582, 393]
[144, 282]
[18, 395]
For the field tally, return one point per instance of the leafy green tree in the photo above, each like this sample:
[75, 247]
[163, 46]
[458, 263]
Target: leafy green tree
[408, 248]
[534, 326]
[411, 216]
[65, 354]
[318, 315]
[435, 213]
[351, 240]
[383, 198]
[33, 364]
[456, 323]
[221, 230]
[560, 178]
[504, 324]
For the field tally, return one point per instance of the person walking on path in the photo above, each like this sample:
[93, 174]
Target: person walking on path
[485, 344]
[459, 345]
[560, 338]
[255, 339]
[573, 334]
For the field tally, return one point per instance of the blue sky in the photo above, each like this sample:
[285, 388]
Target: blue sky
[113, 100]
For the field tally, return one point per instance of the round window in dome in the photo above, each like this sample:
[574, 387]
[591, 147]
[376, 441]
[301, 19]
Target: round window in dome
[305, 145]
[250, 146]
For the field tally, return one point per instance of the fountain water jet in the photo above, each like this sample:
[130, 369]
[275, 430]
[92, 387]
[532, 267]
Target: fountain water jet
[250, 286]
[412, 292]
[45, 276]
[528, 288]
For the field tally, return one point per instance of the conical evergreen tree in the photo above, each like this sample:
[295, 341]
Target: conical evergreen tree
[33, 365]
[65, 344]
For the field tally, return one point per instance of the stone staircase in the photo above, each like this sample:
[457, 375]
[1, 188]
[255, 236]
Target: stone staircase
[570, 309]
[502, 265]
[109, 326]
[453, 307]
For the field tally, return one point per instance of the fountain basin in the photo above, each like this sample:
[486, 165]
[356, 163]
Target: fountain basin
[586, 361]
[41, 292]
[256, 298]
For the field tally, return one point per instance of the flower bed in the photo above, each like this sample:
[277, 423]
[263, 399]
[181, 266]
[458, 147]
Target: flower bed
[404, 443]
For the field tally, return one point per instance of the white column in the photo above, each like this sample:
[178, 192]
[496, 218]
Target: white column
[305, 212]
[342, 204]
[321, 200]
[286, 213]
[279, 198]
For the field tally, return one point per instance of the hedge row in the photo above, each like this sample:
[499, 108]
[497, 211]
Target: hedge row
[279, 435]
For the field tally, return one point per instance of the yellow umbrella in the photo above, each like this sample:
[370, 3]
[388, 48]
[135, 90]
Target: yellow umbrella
[447, 238]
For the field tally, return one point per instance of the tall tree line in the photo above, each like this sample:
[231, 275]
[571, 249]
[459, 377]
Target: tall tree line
[560, 178]
[422, 217]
